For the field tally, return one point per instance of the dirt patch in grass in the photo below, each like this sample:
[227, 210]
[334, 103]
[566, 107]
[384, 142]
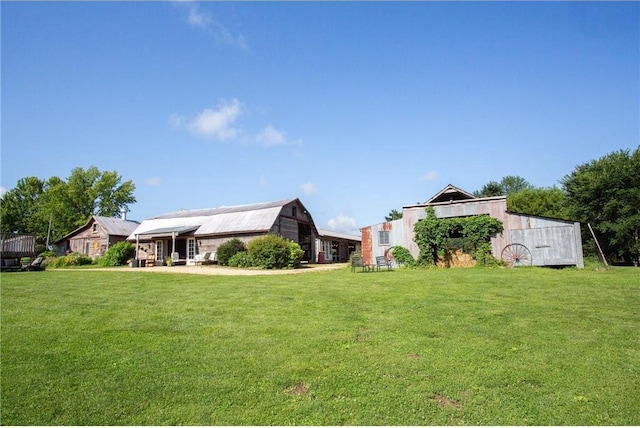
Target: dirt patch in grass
[300, 389]
[444, 402]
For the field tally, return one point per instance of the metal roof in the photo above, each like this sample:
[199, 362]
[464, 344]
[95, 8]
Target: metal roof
[112, 226]
[332, 234]
[216, 221]
[450, 193]
[116, 226]
[208, 212]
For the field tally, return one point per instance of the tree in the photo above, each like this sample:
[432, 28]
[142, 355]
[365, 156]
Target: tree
[545, 202]
[19, 209]
[492, 188]
[393, 215]
[508, 185]
[35, 204]
[606, 193]
[513, 183]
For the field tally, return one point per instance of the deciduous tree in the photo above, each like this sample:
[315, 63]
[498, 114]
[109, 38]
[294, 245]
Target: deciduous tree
[606, 193]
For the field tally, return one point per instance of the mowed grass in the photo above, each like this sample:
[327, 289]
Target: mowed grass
[435, 347]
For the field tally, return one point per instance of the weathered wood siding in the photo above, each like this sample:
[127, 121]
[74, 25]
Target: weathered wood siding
[552, 242]
[14, 246]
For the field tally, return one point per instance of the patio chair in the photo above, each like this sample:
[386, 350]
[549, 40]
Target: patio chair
[35, 265]
[201, 258]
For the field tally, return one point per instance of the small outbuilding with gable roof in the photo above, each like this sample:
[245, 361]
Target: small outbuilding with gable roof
[96, 236]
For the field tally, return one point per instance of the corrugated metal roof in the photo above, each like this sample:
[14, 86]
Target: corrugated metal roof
[207, 212]
[332, 234]
[215, 221]
[116, 226]
[113, 226]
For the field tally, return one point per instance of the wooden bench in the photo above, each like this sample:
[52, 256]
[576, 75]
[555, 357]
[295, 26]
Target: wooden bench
[382, 261]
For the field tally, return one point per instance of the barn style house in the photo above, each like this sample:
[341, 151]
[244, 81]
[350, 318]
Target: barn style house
[525, 240]
[184, 235]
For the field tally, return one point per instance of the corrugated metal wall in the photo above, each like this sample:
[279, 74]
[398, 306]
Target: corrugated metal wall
[552, 242]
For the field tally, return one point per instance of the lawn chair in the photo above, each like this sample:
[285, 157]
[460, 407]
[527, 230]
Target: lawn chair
[201, 258]
[35, 265]
[358, 261]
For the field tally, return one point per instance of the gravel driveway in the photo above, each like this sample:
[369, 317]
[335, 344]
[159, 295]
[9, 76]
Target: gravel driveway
[223, 270]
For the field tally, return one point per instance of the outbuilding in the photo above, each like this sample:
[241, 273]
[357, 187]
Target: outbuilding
[525, 240]
[96, 236]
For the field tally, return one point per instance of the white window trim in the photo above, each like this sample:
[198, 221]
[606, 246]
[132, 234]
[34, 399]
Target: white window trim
[191, 243]
[160, 250]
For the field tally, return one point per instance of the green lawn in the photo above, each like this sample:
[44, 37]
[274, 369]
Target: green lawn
[435, 347]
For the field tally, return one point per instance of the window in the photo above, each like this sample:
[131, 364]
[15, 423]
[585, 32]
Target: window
[294, 211]
[95, 227]
[383, 237]
[191, 248]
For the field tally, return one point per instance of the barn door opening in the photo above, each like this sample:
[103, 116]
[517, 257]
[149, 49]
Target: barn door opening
[304, 239]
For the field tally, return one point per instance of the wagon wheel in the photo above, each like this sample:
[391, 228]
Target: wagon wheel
[516, 255]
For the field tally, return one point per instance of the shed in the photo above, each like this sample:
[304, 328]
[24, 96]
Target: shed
[526, 239]
[96, 236]
[185, 233]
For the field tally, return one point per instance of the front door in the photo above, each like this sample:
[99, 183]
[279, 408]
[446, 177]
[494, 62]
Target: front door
[160, 250]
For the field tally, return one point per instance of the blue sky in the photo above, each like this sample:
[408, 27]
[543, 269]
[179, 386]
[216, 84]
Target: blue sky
[355, 108]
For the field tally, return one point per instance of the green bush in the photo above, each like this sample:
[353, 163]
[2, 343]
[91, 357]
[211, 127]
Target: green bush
[295, 254]
[73, 259]
[402, 256]
[240, 259]
[269, 252]
[118, 254]
[47, 254]
[229, 249]
[484, 257]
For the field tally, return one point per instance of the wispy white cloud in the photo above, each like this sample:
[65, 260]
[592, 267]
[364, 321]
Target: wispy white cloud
[430, 176]
[272, 137]
[153, 181]
[203, 20]
[3, 190]
[309, 189]
[343, 223]
[221, 123]
[216, 123]
[196, 17]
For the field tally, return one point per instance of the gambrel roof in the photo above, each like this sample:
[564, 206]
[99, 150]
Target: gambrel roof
[249, 218]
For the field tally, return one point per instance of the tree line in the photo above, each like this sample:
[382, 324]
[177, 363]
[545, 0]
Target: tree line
[603, 193]
[54, 207]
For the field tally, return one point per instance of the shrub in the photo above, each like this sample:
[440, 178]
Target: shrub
[295, 254]
[228, 250]
[402, 256]
[240, 259]
[269, 252]
[73, 259]
[482, 255]
[118, 254]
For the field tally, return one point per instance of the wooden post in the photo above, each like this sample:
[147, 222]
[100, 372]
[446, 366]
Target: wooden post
[598, 245]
